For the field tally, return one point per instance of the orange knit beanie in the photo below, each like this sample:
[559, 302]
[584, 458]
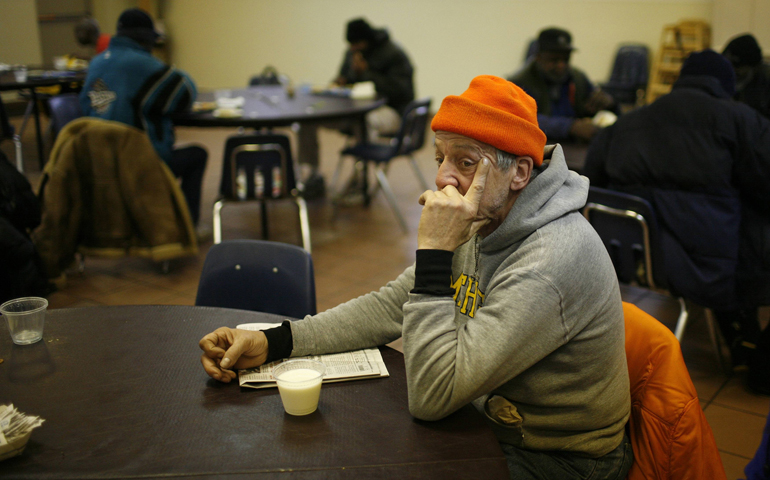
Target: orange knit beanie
[494, 111]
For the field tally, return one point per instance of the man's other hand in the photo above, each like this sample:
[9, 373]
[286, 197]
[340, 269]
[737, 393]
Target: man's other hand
[450, 219]
[226, 349]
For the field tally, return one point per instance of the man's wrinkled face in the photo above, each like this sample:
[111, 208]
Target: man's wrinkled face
[554, 65]
[458, 157]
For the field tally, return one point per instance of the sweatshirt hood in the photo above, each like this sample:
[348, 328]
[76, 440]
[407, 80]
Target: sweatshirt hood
[555, 192]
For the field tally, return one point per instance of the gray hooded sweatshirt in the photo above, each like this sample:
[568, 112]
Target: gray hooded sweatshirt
[533, 335]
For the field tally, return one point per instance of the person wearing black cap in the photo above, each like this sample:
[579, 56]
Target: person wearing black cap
[566, 98]
[125, 83]
[753, 75]
[371, 56]
[703, 162]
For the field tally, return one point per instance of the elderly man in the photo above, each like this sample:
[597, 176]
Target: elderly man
[127, 84]
[703, 161]
[497, 310]
[566, 98]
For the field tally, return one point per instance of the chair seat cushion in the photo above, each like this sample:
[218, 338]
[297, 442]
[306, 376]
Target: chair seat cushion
[374, 152]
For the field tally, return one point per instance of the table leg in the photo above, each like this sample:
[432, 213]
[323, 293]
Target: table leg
[36, 112]
[365, 171]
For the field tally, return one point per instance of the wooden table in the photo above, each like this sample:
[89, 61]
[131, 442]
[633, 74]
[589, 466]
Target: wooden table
[270, 106]
[123, 395]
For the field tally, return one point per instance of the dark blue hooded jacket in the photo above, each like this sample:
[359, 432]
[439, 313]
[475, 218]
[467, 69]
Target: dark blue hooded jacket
[125, 83]
[703, 161]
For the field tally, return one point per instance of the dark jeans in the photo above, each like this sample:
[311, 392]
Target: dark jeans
[534, 465]
[188, 164]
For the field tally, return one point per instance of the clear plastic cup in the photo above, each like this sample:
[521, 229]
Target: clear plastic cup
[20, 73]
[25, 318]
[299, 383]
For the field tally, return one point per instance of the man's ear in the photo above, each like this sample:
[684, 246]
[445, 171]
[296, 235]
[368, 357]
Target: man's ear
[523, 170]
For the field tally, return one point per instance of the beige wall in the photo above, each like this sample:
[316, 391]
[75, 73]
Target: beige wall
[450, 41]
[106, 12]
[733, 17]
[19, 33]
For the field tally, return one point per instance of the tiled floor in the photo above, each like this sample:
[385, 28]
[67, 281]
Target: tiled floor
[360, 249]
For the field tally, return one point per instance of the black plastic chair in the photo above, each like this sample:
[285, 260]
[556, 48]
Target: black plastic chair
[630, 72]
[629, 230]
[64, 108]
[251, 168]
[258, 275]
[410, 138]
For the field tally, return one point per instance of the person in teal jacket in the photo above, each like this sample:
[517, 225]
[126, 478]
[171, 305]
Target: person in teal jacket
[125, 83]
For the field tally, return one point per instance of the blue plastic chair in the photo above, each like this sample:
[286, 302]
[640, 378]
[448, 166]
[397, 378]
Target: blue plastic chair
[629, 230]
[630, 72]
[258, 275]
[64, 109]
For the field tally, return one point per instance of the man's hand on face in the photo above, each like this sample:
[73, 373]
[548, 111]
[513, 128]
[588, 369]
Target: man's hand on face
[226, 349]
[359, 63]
[450, 219]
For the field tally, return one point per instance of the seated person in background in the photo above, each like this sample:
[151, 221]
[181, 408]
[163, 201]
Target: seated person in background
[494, 311]
[374, 57]
[88, 36]
[127, 84]
[703, 161]
[752, 85]
[566, 99]
[22, 273]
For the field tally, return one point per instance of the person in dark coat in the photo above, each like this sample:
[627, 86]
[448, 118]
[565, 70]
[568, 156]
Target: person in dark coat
[703, 161]
[566, 98]
[21, 270]
[752, 74]
[371, 57]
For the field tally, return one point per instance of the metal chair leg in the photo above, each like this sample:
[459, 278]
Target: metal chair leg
[304, 223]
[711, 323]
[681, 323]
[383, 181]
[164, 267]
[217, 221]
[418, 173]
[263, 219]
[335, 178]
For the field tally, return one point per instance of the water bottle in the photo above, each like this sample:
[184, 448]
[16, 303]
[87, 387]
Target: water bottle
[259, 183]
[277, 182]
[240, 183]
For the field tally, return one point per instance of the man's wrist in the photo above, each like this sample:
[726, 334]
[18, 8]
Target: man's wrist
[280, 342]
[433, 272]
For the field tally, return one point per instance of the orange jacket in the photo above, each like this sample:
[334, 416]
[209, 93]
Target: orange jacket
[670, 436]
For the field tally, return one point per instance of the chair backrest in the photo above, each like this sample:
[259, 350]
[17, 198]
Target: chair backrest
[669, 434]
[269, 76]
[531, 51]
[258, 275]
[629, 230]
[64, 108]
[631, 67]
[414, 124]
[250, 156]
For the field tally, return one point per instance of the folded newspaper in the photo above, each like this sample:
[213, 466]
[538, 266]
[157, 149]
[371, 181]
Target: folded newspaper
[340, 367]
[15, 430]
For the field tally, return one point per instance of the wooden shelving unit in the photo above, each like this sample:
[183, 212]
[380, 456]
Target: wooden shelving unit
[676, 43]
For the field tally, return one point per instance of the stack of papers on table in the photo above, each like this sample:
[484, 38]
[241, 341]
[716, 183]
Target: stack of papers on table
[340, 367]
